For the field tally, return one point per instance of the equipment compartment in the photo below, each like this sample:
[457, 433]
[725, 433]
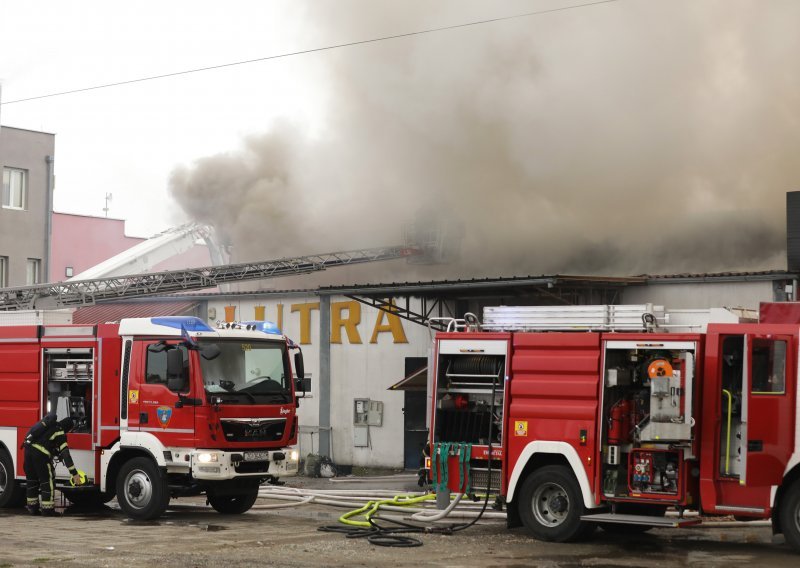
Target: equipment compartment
[647, 430]
[70, 374]
[469, 399]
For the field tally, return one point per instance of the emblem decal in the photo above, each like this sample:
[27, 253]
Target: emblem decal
[164, 414]
[133, 397]
[521, 428]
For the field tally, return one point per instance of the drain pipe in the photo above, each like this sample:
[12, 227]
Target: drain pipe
[48, 220]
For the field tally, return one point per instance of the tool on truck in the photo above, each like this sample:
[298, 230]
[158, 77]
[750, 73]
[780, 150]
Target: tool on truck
[607, 415]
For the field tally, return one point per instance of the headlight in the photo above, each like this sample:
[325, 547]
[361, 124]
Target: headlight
[207, 457]
[293, 455]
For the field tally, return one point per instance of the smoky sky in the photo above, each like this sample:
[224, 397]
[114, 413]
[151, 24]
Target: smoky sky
[618, 139]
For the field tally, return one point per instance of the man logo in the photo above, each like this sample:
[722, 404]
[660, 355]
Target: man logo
[285, 411]
[164, 414]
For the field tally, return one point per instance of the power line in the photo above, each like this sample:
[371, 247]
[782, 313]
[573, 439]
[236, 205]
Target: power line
[313, 50]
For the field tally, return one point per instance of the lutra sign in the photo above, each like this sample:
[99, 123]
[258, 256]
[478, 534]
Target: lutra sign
[345, 321]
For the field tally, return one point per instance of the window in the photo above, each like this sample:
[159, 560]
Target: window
[15, 186]
[34, 271]
[769, 366]
[247, 372]
[156, 367]
[3, 271]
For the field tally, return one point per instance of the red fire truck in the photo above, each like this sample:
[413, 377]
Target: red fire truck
[607, 415]
[165, 407]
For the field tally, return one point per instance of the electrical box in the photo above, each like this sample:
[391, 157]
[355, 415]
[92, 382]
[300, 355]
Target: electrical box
[360, 409]
[367, 412]
[375, 413]
[360, 436]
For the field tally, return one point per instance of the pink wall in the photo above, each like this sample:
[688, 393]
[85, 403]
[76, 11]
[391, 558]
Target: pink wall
[81, 242]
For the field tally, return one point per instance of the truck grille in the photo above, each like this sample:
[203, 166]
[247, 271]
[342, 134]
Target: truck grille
[268, 430]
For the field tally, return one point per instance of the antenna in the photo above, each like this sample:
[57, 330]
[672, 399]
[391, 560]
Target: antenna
[108, 198]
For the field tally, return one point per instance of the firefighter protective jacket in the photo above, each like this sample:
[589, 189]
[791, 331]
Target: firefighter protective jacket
[54, 444]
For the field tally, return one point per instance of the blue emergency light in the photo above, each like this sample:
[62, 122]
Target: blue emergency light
[188, 323]
[263, 326]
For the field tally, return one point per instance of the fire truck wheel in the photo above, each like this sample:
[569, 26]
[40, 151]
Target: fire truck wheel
[11, 491]
[551, 505]
[142, 490]
[233, 504]
[790, 516]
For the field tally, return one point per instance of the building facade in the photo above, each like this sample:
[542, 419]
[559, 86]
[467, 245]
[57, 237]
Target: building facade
[82, 241]
[27, 159]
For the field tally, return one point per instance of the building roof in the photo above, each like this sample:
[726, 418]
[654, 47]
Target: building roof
[102, 313]
[476, 286]
[721, 276]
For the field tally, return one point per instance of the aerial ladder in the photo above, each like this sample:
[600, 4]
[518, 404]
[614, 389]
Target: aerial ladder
[422, 246]
[144, 256]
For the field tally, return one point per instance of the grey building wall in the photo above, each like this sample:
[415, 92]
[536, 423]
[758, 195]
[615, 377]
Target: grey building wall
[22, 233]
[675, 295]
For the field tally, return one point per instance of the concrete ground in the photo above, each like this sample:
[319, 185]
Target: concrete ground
[192, 534]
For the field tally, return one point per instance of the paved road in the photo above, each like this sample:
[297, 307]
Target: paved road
[192, 534]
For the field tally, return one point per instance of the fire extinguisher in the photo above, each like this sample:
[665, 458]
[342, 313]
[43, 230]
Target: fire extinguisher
[619, 422]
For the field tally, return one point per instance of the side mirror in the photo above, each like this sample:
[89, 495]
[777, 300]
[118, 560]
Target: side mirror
[157, 347]
[210, 351]
[299, 369]
[176, 384]
[176, 381]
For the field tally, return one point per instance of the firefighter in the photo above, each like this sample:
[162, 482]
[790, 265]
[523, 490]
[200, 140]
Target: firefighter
[45, 441]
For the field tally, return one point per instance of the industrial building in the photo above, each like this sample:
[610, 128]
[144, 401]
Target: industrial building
[366, 347]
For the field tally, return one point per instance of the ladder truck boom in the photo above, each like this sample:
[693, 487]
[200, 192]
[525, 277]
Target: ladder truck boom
[87, 292]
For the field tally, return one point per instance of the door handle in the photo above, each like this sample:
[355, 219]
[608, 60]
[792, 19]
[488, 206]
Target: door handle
[755, 446]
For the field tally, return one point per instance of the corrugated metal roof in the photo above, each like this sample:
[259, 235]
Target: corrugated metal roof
[737, 276]
[102, 313]
[434, 286]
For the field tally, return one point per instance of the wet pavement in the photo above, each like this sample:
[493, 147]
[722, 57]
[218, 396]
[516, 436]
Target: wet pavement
[193, 534]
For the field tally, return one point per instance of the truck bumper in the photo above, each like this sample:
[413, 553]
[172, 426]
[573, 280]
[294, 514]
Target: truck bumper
[215, 465]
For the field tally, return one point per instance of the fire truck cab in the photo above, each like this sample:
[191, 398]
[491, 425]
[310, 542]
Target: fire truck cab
[606, 415]
[164, 407]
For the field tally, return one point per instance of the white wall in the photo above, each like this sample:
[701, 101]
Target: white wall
[701, 294]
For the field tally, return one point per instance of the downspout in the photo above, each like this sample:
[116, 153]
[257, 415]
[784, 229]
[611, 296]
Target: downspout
[48, 219]
[324, 389]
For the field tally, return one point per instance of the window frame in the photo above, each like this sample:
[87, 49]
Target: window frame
[23, 190]
[756, 388]
[3, 271]
[36, 265]
[157, 355]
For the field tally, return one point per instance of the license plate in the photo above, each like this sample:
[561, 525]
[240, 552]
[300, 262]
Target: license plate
[256, 456]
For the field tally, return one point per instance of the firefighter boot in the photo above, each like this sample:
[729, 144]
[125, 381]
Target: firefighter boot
[48, 512]
[32, 505]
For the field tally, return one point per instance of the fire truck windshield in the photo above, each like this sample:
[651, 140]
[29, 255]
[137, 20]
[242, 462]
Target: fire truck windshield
[247, 372]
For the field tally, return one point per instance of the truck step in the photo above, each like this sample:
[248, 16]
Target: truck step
[667, 522]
